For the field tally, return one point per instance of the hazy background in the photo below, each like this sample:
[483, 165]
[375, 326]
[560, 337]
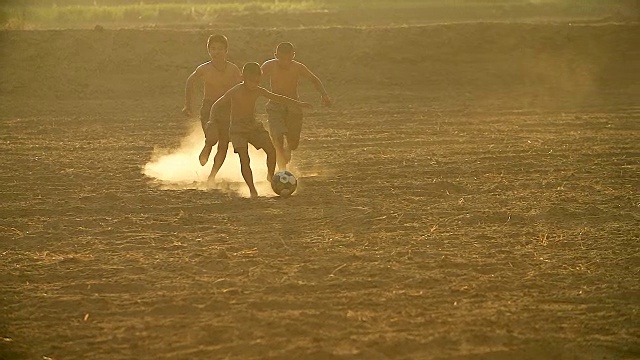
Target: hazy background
[28, 14]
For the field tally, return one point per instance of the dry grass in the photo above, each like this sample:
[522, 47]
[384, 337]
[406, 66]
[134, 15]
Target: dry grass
[453, 205]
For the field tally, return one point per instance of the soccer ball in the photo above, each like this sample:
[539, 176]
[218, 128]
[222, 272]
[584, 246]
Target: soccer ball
[284, 183]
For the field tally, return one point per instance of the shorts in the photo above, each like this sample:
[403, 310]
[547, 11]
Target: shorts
[205, 112]
[255, 134]
[216, 127]
[284, 120]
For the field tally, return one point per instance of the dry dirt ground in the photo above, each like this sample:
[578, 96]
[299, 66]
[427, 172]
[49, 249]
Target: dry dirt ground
[473, 194]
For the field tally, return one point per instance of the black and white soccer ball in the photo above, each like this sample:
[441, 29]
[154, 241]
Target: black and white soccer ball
[284, 183]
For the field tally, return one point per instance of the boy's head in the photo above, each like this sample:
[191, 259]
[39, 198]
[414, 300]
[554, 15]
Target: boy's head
[285, 52]
[251, 74]
[217, 45]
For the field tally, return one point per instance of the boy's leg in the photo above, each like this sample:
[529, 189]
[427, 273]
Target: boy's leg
[240, 147]
[281, 158]
[260, 140]
[277, 129]
[218, 159]
[204, 154]
[285, 152]
[271, 161]
[292, 136]
[210, 139]
[294, 128]
[222, 124]
[245, 169]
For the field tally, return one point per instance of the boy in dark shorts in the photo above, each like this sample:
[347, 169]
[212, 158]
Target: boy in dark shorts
[285, 123]
[219, 75]
[244, 128]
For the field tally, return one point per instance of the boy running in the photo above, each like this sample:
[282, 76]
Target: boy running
[285, 123]
[219, 75]
[244, 128]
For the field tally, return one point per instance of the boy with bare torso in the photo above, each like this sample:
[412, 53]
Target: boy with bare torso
[285, 123]
[219, 75]
[244, 128]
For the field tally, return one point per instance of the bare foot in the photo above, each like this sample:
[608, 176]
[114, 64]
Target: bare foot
[204, 154]
[211, 180]
[254, 193]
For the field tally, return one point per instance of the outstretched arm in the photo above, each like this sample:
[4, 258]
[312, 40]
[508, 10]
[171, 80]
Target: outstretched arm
[305, 72]
[222, 101]
[266, 70]
[281, 99]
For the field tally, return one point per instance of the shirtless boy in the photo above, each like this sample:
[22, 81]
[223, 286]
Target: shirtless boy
[219, 75]
[244, 128]
[285, 123]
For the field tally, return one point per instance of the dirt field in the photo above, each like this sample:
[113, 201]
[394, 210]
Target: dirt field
[473, 194]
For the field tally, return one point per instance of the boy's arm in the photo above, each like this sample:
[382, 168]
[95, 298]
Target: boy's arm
[266, 70]
[237, 76]
[281, 99]
[222, 101]
[306, 73]
[188, 91]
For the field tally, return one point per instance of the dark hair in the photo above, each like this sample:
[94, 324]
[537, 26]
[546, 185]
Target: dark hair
[284, 48]
[217, 38]
[251, 68]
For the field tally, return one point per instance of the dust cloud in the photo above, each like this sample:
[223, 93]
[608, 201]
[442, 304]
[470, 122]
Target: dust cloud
[179, 168]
